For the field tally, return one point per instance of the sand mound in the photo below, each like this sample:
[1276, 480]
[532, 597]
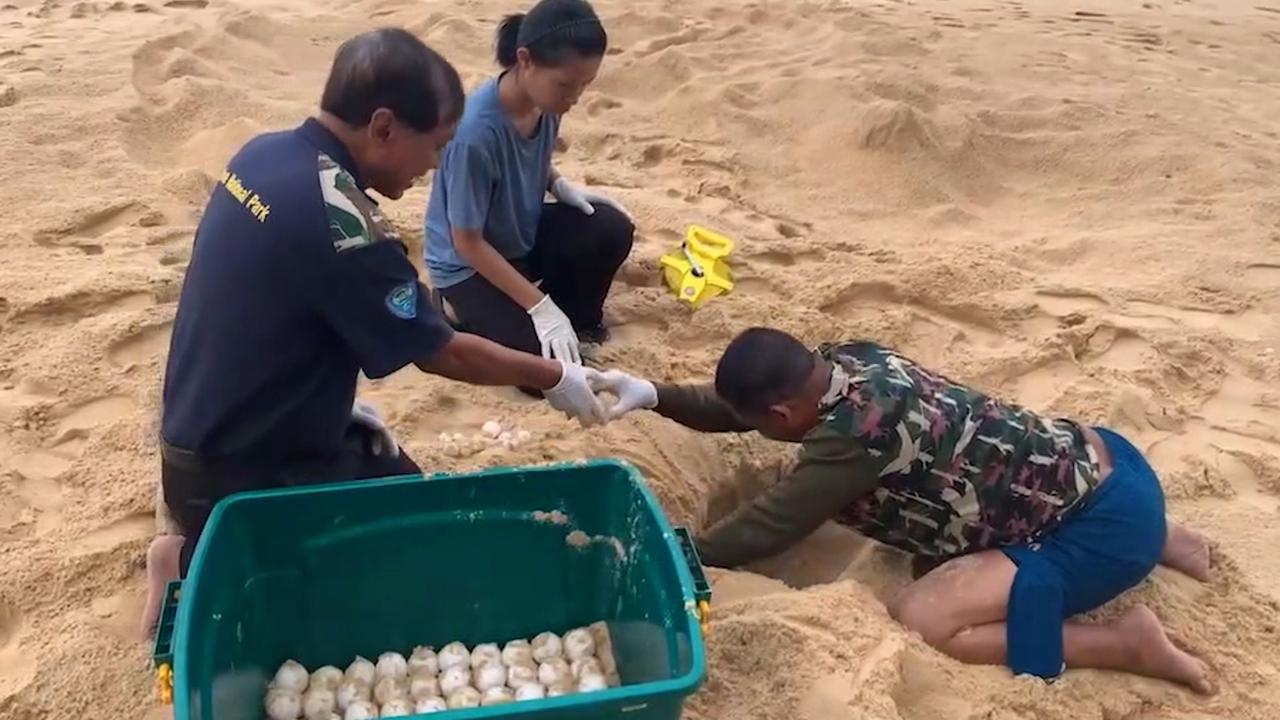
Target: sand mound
[1073, 208]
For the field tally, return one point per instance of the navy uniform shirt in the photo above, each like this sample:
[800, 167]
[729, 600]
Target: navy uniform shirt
[297, 282]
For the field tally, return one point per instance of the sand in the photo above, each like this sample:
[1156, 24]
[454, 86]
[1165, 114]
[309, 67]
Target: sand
[1072, 206]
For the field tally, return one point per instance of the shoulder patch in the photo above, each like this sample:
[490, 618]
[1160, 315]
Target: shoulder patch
[354, 219]
[402, 301]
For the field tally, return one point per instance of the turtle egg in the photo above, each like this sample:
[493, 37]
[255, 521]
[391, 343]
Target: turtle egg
[553, 671]
[352, 690]
[291, 676]
[423, 660]
[585, 666]
[546, 646]
[483, 653]
[578, 644]
[453, 655]
[423, 686]
[360, 710]
[389, 688]
[532, 691]
[328, 677]
[522, 674]
[492, 428]
[563, 687]
[497, 696]
[430, 705]
[590, 682]
[283, 704]
[466, 697]
[361, 669]
[454, 679]
[517, 652]
[391, 665]
[490, 675]
[400, 707]
[318, 703]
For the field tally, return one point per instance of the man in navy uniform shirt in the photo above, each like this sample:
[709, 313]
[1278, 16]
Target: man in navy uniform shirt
[298, 282]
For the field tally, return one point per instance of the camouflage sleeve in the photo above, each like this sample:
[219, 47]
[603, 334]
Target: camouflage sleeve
[832, 471]
[698, 407]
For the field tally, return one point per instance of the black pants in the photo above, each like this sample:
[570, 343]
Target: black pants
[575, 255]
[192, 486]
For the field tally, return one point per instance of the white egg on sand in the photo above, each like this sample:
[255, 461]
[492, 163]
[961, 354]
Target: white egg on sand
[283, 704]
[591, 682]
[430, 705]
[390, 688]
[491, 674]
[521, 674]
[493, 428]
[352, 690]
[483, 653]
[318, 703]
[453, 655]
[465, 697]
[422, 685]
[497, 696]
[455, 679]
[553, 671]
[423, 660]
[578, 644]
[360, 710]
[391, 665]
[530, 691]
[326, 677]
[362, 669]
[400, 707]
[546, 646]
[291, 676]
[517, 652]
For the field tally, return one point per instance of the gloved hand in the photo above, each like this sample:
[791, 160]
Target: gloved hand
[573, 396]
[555, 332]
[632, 392]
[385, 444]
[570, 194]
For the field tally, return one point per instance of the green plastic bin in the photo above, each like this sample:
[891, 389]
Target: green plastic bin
[324, 573]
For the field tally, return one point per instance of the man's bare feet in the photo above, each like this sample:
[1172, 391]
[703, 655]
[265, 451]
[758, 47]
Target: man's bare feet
[1152, 654]
[162, 568]
[1186, 551]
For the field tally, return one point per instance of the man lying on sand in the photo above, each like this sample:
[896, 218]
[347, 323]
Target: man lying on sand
[1030, 519]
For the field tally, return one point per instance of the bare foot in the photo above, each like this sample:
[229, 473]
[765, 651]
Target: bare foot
[1186, 551]
[162, 568]
[1153, 655]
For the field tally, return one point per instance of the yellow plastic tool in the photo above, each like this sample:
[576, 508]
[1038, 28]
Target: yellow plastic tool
[699, 269]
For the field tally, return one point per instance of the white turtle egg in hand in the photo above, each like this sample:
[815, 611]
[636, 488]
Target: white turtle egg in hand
[497, 696]
[361, 669]
[466, 697]
[483, 653]
[352, 690]
[360, 710]
[283, 704]
[578, 644]
[553, 671]
[423, 660]
[531, 691]
[454, 679]
[328, 677]
[517, 652]
[490, 675]
[591, 682]
[400, 707]
[423, 685]
[430, 705]
[391, 665]
[453, 655]
[389, 688]
[522, 674]
[546, 646]
[318, 703]
[291, 676]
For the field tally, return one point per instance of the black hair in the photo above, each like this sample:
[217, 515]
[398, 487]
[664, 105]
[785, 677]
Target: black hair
[761, 368]
[552, 31]
[391, 68]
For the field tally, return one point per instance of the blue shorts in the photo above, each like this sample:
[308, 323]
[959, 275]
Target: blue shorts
[1107, 546]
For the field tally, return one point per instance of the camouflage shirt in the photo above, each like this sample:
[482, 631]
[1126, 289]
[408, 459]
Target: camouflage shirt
[907, 457]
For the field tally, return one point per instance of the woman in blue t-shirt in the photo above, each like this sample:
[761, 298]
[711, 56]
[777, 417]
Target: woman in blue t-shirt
[524, 273]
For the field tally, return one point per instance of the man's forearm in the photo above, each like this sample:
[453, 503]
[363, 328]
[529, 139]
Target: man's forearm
[473, 359]
[699, 408]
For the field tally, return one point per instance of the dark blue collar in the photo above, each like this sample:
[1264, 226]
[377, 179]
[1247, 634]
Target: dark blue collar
[326, 142]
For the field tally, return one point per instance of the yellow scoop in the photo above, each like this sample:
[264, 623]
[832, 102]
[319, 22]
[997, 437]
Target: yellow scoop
[698, 270]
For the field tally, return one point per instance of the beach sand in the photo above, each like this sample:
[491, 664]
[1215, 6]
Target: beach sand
[1072, 206]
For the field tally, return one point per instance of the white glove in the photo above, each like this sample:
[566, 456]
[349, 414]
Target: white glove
[555, 332]
[570, 194]
[632, 392]
[385, 444]
[573, 396]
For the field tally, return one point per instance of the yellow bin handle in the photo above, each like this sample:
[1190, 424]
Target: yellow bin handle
[164, 683]
[704, 616]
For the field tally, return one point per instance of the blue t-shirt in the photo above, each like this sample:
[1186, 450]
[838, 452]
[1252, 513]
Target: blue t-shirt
[492, 179]
[297, 282]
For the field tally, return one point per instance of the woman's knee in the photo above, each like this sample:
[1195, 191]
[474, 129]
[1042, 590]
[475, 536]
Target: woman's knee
[922, 615]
